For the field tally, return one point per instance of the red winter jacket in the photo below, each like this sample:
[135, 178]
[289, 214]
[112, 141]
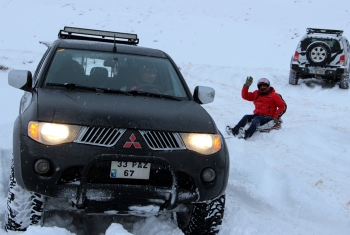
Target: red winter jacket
[268, 103]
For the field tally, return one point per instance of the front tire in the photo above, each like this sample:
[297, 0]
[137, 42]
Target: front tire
[202, 218]
[24, 208]
[293, 78]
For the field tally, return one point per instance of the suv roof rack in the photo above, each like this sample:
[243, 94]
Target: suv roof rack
[97, 35]
[329, 31]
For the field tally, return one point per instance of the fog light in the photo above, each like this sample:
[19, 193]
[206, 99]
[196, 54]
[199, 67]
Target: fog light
[208, 175]
[42, 166]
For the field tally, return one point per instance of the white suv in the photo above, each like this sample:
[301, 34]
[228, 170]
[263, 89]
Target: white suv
[322, 54]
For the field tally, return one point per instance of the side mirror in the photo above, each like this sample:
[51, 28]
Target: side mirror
[203, 94]
[21, 79]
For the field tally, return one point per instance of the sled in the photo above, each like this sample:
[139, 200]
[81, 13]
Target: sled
[271, 125]
[266, 128]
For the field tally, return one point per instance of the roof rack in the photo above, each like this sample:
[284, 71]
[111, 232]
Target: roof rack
[97, 35]
[329, 31]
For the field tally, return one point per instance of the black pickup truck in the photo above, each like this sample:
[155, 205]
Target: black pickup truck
[113, 126]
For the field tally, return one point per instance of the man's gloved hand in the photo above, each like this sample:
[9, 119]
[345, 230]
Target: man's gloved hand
[248, 82]
[276, 120]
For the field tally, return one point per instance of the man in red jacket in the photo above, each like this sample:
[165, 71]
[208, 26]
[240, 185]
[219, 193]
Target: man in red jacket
[269, 105]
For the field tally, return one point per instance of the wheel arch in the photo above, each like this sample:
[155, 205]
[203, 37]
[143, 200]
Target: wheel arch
[16, 145]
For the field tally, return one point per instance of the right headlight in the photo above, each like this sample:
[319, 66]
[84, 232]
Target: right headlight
[52, 133]
[202, 143]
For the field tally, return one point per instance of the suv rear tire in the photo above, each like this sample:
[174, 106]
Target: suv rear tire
[318, 53]
[293, 78]
[344, 82]
[202, 218]
[24, 208]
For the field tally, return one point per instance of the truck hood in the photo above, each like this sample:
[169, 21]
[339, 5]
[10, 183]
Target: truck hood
[118, 110]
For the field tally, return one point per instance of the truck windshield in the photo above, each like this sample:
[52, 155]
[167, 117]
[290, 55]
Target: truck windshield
[115, 71]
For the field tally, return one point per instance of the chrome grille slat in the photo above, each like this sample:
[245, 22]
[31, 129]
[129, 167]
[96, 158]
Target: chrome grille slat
[100, 136]
[109, 136]
[158, 140]
[171, 143]
[97, 138]
[88, 136]
[103, 134]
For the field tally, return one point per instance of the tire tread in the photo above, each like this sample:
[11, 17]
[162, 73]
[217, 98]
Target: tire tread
[24, 208]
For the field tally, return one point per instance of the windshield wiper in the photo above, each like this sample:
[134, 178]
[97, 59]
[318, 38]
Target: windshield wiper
[72, 86]
[107, 90]
[143, 93]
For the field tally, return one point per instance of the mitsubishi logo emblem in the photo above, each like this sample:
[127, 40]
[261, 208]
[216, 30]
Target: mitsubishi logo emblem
[128, 144]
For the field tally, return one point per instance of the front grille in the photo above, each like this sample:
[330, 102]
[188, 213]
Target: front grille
[100, 136]
[158, 140]
[108, 137]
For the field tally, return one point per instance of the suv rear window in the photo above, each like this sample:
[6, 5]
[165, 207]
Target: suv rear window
[112, 71]
[332, 43]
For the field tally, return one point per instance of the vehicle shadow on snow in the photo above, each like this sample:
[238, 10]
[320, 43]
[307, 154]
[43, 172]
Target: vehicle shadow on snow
[315, 82]
[85, 224]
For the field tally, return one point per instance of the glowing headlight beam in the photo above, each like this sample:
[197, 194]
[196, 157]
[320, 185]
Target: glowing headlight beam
[202, 143]
[52, 133]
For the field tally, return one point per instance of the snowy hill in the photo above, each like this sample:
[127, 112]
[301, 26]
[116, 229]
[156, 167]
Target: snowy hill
[292, 181]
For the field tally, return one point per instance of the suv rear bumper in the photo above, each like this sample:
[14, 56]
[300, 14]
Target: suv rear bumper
[324, 72]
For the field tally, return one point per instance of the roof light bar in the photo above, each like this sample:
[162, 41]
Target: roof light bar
[329, 31]
[100, 33]
[81, 33]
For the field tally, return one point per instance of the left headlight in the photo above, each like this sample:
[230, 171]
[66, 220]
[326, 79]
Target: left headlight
[52, 133]
[202, 143]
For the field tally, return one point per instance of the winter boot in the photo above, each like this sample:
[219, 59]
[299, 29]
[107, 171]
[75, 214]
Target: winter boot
[246, 135]
[235, 130]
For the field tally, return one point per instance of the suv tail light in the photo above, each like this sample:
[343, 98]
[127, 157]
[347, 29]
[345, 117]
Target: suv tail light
[342, 60]
[296, 56]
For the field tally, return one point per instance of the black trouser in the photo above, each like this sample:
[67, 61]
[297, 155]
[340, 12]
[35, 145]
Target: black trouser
[256, 121]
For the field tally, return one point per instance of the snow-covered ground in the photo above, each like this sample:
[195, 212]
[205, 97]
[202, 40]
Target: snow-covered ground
[292, 181]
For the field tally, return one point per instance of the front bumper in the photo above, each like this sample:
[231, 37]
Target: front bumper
[81, 172]
[165, 196]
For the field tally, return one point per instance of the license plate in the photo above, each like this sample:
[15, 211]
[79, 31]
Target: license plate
[317, 72]
[130, 170]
